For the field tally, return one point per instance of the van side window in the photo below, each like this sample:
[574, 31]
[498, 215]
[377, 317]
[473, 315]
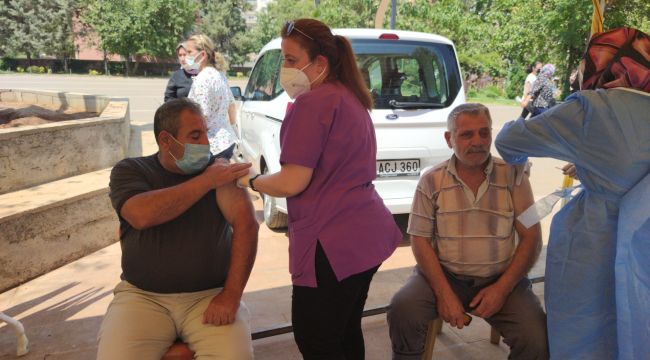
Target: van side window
[264, 79]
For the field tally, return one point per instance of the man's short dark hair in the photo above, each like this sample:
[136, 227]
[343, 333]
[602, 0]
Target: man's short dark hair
[168, 115]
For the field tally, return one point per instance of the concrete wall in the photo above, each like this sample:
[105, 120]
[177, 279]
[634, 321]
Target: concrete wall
[54, 205]
[47, 226]
[33, 155]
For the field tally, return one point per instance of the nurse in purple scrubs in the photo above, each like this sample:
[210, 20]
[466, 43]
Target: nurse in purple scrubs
[339, 229]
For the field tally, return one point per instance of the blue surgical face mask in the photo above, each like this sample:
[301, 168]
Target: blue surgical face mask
[195, 158]
[190, 62]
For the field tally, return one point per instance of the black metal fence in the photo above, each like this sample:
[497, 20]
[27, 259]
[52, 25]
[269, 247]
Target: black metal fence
[96, 67]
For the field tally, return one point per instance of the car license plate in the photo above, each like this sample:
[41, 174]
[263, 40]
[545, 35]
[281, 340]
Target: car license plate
[405, 167]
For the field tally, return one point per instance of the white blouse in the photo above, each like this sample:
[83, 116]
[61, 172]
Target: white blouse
[211, 91]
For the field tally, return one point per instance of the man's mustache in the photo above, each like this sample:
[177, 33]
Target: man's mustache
[476, 150]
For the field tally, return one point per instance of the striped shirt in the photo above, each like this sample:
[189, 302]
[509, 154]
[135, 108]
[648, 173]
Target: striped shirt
[471, 234]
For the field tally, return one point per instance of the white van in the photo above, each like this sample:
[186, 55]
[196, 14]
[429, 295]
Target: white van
[415, 81]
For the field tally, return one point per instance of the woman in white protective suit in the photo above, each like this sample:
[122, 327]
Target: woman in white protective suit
[597, 287]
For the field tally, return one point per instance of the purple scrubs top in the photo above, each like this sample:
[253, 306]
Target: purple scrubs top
[328, 129]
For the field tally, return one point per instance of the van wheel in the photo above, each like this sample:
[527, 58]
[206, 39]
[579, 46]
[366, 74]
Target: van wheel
[273, 218]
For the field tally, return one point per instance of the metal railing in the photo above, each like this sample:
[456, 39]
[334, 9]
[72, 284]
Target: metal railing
[287, 328]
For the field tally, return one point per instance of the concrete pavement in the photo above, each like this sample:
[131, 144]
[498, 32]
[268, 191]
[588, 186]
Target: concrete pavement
[62, 310]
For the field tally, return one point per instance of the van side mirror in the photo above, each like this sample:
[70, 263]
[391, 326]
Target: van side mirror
[236, 92]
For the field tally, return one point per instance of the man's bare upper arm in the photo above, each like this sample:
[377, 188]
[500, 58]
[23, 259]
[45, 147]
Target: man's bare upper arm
[523, 198]
[235, 204]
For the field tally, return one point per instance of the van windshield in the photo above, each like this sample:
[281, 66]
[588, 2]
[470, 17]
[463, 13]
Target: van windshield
[408, 74]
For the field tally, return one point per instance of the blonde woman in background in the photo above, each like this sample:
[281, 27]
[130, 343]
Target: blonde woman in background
[210, 90]
[222, 67]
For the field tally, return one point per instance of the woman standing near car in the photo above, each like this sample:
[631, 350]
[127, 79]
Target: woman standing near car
[211, 91]
[339, 229]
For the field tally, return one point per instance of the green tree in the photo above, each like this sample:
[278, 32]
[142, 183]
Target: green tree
[500, 37]
[347, 13]
[59, 30]
[516, 36]
[554, 31]
[139, 27]
[461, 21]
[272, 18]
[22, 25]
[224, 23]
[37, 27]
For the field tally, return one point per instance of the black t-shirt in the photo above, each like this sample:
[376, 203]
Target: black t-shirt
[189, 253]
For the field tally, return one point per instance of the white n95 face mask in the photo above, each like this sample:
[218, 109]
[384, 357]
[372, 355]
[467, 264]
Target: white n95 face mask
[294, 81]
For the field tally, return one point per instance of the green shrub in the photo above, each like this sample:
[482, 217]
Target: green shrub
[20, 69]
[239, 74]
[116, 68]
[472, 93]
[36, 69]
[491, 92]
[7, 64]
[93, 72]
[515, 81]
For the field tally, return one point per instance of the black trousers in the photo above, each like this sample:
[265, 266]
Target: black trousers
[327, 319]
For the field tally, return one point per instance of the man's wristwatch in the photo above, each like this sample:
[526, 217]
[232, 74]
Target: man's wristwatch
[250, 182]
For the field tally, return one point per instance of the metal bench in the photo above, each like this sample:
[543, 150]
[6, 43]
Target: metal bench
[181, 348]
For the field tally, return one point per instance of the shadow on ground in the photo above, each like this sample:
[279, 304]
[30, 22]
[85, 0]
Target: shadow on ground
[49, 325]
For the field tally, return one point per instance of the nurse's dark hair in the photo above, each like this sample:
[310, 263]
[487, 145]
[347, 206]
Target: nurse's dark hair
[468, 108]
[317, 39]
[168, 115]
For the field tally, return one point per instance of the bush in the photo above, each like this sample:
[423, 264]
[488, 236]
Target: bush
[93, 72]
[116, 68]
[515, 82]
[20, 69]
[7, 64]
[491, 92]
[36, 69]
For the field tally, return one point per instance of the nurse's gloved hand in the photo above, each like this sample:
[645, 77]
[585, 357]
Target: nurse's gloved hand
[521, 170]
[243, 182]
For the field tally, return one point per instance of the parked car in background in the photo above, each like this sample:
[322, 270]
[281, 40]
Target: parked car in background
[415, 81]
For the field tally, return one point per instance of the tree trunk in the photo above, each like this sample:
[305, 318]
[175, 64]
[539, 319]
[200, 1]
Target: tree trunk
[65, 64]
[572, 57]
[106, 69]
[381, 12]
[126, 65]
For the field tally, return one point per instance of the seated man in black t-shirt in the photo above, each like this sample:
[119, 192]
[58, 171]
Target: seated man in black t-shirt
[189, 239]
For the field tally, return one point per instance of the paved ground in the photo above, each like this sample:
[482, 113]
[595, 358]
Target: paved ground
[62, 310]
